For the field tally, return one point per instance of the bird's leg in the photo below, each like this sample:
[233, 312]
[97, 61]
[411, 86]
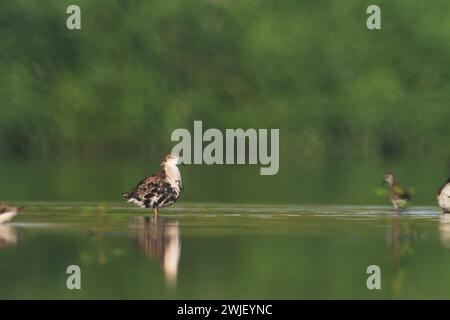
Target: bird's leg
[156, 213]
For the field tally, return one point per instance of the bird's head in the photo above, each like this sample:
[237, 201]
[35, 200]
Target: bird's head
[171, 160]
[389, 178]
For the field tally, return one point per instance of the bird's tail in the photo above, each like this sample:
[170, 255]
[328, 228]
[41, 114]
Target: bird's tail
[128, 195]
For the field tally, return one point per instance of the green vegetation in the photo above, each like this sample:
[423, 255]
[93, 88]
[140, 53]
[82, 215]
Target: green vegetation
[137, 70]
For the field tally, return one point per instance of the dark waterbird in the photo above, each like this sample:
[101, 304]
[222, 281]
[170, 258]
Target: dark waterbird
[161, 189]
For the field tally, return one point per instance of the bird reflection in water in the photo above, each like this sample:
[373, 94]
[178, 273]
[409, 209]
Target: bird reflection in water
[400, 239]
[8, 236]
[444, 230]
[160, 239]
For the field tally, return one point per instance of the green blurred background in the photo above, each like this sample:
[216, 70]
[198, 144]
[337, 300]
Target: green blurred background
[85, 114]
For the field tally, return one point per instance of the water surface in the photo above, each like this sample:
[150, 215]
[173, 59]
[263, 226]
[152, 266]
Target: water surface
[210, 251]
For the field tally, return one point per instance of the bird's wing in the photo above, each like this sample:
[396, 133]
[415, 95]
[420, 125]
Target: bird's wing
[146, 186]
[401, 192]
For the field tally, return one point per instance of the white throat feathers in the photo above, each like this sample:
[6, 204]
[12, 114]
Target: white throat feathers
[173, 176]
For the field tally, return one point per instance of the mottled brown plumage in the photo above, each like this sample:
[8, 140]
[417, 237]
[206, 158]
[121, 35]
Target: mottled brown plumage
[147, 185]
[159, 190]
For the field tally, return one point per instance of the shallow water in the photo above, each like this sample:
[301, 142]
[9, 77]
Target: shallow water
[221, 251]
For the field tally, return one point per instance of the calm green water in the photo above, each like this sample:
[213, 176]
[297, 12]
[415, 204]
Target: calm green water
[222, 251]
[298, 182]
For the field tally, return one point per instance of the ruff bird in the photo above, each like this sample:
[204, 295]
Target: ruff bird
[399, 195]
[161, 189]
[443, 196]
[7, 212]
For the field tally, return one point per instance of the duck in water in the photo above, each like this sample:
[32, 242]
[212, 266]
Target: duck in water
[399, 195]
[161, 189]
[443, 197]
